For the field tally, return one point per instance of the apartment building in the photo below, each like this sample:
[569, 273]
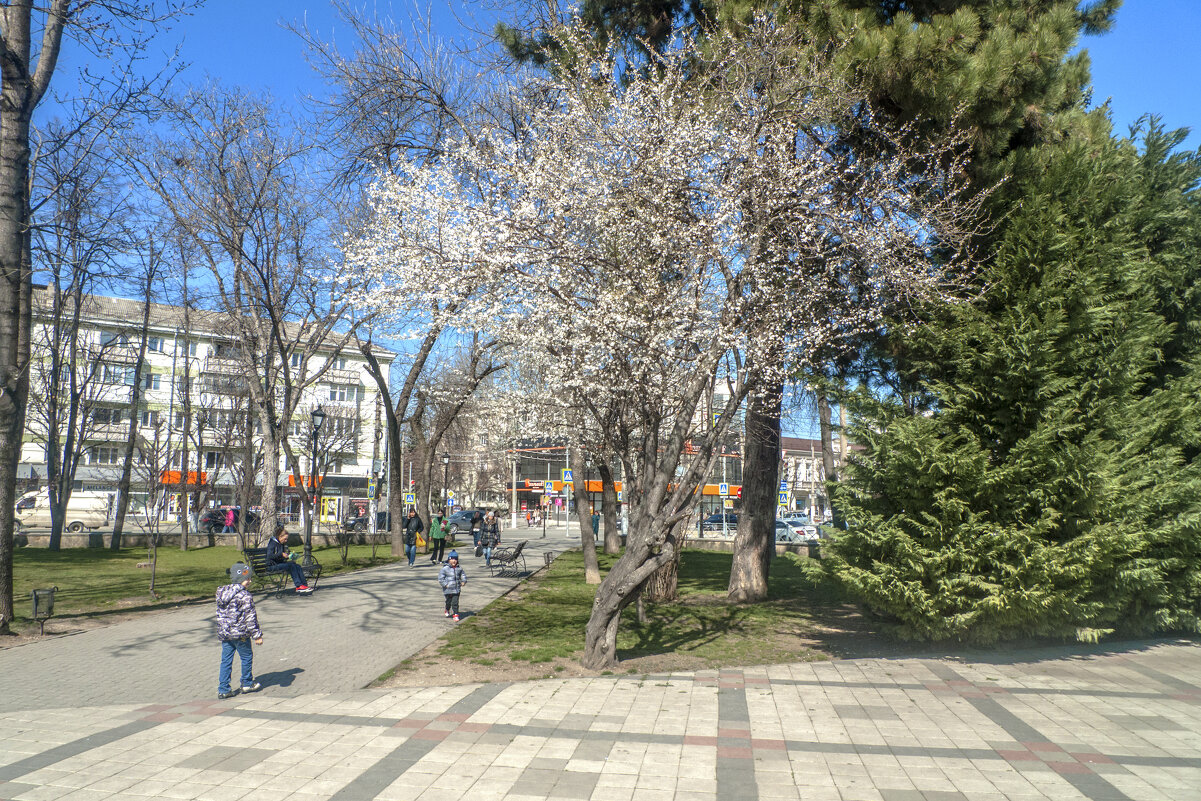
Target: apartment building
[195, 426]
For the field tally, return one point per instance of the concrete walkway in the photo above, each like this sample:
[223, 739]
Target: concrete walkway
[352, 629]
[129, 716]
[1106, 727]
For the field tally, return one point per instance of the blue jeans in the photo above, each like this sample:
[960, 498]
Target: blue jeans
[227, 663]
[487, 555]
[296, 570]
[411, 552]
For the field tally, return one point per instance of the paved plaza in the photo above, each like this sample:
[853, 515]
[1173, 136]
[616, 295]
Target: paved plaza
[1061, 724]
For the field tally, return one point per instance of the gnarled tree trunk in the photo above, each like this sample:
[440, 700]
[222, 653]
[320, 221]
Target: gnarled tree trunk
[584, 516]
[755, 543]
[609, 508]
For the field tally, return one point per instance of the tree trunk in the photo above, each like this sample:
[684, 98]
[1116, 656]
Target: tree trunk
[396, 484]
[270, 503]
[583, 515]
[755, 543]
[621, 585]
[664, 583]
[131, 439]
[609, 508]
[823, 416]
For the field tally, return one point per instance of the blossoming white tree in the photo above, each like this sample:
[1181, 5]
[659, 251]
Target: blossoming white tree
[644, 235]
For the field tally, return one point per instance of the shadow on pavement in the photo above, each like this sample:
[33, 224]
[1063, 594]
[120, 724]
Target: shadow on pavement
[279, 678]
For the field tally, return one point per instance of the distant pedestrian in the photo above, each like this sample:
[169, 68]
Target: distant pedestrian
[437, 538]
[413, 527]
[229, 521]
[529, 519]
[279, 559]
[237, 626]
[489, 536]
[452, 578]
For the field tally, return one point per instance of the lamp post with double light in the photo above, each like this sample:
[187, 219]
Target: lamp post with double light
[318, 416]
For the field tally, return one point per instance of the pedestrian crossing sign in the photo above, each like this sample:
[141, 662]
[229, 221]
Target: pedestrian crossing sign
[548, 487]
[565, 475]
[783, 498]
[723, 490]
[410, 497]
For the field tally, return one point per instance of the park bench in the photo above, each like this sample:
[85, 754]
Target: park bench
[277, 580]
[506, 560]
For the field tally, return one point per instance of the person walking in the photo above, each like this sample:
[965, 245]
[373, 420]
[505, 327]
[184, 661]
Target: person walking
[437, 538]
[413, 527]
[229, 521]
[237, 626]
[452, 578]
[279, 559]
[489, 536]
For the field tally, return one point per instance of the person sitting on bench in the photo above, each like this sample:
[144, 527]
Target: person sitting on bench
[279, 560]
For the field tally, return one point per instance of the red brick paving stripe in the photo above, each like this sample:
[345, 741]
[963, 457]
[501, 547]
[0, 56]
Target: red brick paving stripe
[734, 752]
[474, 727]
[699, 739]
[768, 744]
[409, 723]
[430, 734]
[757, 680]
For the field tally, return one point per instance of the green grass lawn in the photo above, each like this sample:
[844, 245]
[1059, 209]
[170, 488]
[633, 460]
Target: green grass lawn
[545, 621]
[98, 582]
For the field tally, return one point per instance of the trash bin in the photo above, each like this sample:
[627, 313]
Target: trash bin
[815, 550]
[43, 606]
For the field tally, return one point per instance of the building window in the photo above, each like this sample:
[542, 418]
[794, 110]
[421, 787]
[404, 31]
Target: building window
[155, 344]
[149, 419]
[343, 392]
[191, 348]
[117, 374]
[104, 454]
[114, 338]
[104, 416]
[152, 381]
[213, 460]
[296, 359]
[179, 419]
[340, 363]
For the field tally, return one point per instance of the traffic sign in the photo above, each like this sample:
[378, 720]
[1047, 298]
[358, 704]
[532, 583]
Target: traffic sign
[450, 495]
[619, 492]
[783, 498]
[371, 489]
[729, 503]
[411, 497]
[565, 475]
[548, 487]
[723, 490]
[783, 485]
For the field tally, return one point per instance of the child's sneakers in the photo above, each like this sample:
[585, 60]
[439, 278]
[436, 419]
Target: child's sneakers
[303, 589]
[447, 613]
[251, 688]
[455, 618]
[230, 694]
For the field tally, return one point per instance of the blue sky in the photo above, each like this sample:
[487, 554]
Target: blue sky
[1145, 65]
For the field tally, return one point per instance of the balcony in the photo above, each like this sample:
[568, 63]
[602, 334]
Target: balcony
[223, 384]
[223, 365]
[109, 432]
[335, 376]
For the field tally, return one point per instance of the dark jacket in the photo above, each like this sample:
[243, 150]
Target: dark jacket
[236, 618]
[490, 532]
[413, 527]
[276, 554]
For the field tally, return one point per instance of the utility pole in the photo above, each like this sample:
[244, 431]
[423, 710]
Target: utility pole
[513, 487]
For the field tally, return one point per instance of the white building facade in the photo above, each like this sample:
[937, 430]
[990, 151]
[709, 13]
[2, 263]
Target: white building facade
[198, 439]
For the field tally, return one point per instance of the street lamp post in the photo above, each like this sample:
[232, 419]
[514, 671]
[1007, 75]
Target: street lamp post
[318, 416]
[445, 482]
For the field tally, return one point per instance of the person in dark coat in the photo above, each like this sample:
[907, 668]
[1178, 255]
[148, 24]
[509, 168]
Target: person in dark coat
[413, 527]
[279, 559]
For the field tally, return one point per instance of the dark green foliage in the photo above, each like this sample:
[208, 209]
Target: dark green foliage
[1052, 485]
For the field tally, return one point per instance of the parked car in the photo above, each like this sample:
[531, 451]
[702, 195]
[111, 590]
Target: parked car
[463, 520]
[713, 522]
[788, 532]
[796, 519]
[213, 521]
[84, 510]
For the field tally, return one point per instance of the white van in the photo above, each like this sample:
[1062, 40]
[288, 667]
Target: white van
[84, 510]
